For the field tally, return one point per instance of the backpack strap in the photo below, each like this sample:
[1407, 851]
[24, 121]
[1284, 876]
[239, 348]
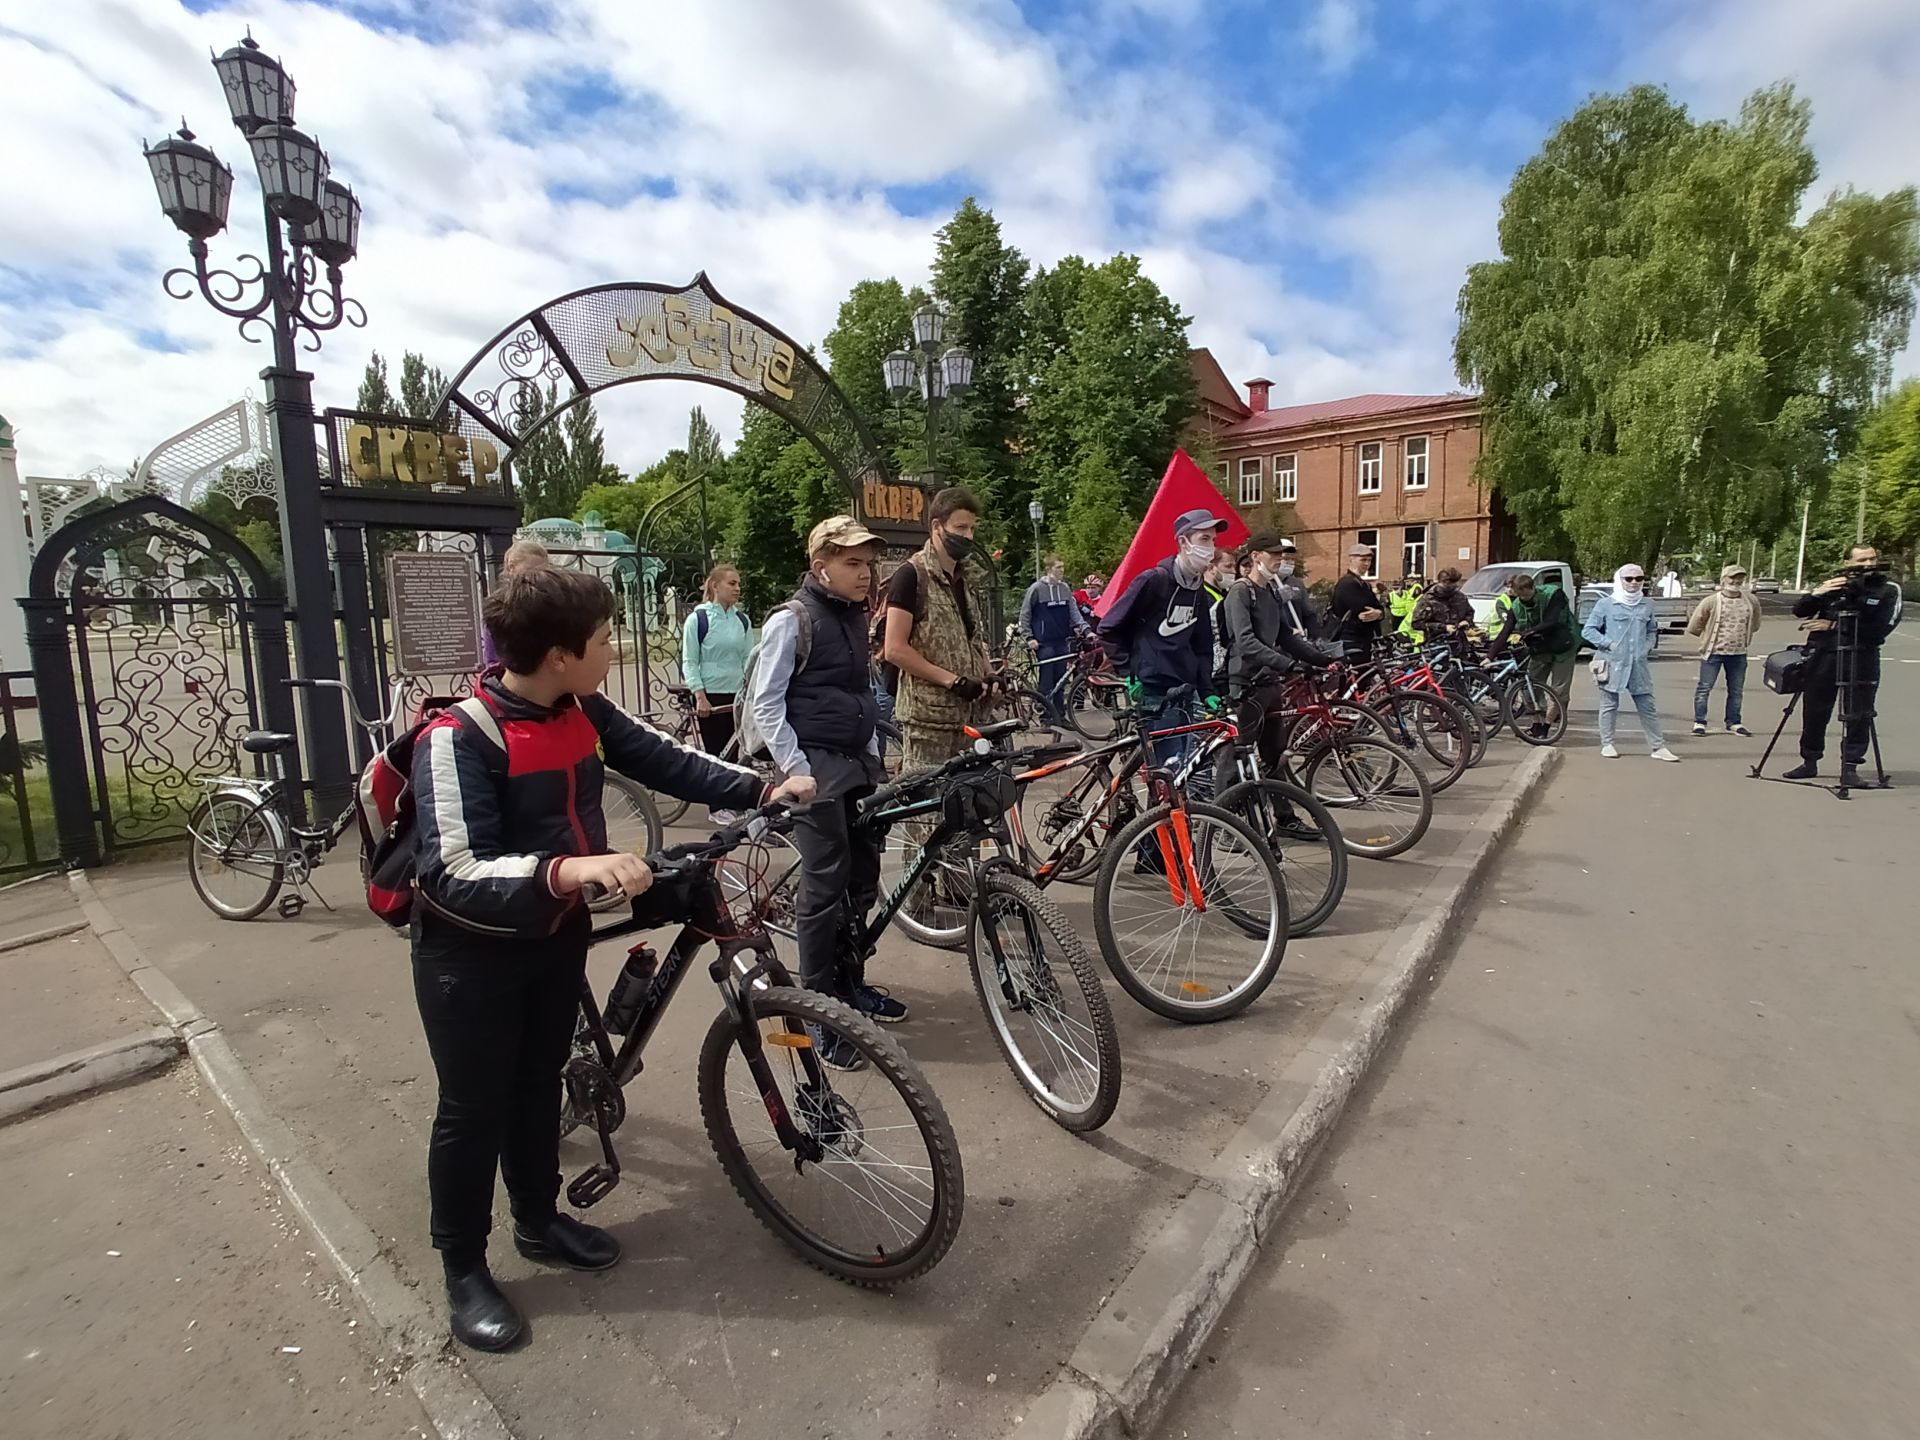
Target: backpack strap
[475, 712]
[802, 634]
[702, 623]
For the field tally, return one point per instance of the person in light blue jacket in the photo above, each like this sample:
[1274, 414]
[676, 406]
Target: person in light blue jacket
[713, 656]
[1622, 631]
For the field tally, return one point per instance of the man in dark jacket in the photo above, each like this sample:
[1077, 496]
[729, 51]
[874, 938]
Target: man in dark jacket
[1353, 613]
[1050, 619]
[1864, 599]
[509, 831]
[1158, 632]
[1263, 646]
[1444, 609]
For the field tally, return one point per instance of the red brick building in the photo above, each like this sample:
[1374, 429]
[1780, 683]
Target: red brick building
[1391, 471]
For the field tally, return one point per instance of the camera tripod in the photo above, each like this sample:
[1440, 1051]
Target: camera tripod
[1846, 679]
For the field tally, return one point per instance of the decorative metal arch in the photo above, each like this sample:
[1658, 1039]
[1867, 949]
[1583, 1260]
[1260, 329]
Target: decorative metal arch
[79, 545]
[607, 335]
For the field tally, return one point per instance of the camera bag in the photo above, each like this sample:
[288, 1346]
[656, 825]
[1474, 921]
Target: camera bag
[1786, 670]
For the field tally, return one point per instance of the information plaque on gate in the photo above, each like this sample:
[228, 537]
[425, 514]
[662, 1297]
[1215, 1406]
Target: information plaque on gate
[433, 598]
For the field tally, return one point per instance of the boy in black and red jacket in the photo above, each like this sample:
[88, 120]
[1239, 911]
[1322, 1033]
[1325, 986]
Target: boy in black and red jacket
[510, 829]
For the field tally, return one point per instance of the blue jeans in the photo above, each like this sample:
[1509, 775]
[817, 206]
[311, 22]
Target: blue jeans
[1735, 667]
[1649, 717]
[1051, 662]
[1163, 714]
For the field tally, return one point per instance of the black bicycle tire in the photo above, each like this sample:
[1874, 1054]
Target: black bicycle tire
[647, 806]
[1241, 996]
[936, 938]
[1513, 721]
[1457, 693]
[275, 881]
[1025, 893]
[1300, 920]
[1080, 686]
[1310, 761]
[670, 808]
[880, 1052]
[1455, 766]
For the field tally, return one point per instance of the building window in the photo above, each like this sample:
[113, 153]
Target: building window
[1370, 467]
[1286, 479]
[1250, 481]
[1413, 551]
[1371, 539]
[1415, 449]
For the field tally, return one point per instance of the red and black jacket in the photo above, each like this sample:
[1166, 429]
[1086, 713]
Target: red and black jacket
[495, 817]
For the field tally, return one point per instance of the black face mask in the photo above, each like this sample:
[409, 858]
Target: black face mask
[958, 547]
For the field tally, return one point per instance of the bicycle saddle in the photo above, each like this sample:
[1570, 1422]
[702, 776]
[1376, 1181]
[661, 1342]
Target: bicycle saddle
[994, 731]
[265, 742]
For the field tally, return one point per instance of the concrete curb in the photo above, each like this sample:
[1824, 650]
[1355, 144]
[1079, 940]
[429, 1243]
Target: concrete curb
[454, 1402]
[34, 937]
[47, 1083]
[1136, 1350]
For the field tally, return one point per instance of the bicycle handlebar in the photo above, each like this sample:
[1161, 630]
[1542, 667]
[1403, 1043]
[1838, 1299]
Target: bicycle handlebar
[385, 722]
[673, 860]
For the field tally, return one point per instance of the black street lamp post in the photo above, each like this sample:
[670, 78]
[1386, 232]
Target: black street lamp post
[313, 227]
[938, 376]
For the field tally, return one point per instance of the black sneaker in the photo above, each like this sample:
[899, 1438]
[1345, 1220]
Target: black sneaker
[877, 1004]
[1292, 827]
[836, 1052]
[1805, 770]
[1850, 777]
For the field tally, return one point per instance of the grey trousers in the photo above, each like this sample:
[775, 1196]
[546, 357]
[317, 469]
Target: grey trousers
[839, 870]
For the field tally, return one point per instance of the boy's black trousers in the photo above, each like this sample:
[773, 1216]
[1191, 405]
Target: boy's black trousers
[499, 1015]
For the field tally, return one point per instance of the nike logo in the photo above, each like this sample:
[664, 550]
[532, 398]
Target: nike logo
[1180, 617]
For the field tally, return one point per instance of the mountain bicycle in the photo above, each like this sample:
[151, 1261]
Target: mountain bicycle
[858, 1172]
[1194, 931]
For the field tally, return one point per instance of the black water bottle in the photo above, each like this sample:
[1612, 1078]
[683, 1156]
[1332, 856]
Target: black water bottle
[623, 1001]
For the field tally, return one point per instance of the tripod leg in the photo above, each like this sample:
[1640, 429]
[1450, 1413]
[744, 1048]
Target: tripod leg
[1778, 731]
[1879, 766]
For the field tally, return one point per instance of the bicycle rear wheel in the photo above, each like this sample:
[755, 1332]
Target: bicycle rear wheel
[1304, 839]
[1381, 799]
[1191, 912]
[1435, 733]
[1098, 706]
[1044, 1005]
[1536, 712]
[882, 1201]
[233, 854]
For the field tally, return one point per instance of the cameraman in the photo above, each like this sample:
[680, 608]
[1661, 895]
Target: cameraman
[1864, 600]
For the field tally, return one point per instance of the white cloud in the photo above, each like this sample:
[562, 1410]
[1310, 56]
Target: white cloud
[1339, 32]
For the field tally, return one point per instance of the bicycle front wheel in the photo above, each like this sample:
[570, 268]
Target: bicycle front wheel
[233, 854]
[1383, 801]
[634, 825]
[1304, 839]
[934, 912]
[1191, 912]
[880, 1199]
[1536, 712]
[1437, 734]
[1097, 706]
[1044, 1005]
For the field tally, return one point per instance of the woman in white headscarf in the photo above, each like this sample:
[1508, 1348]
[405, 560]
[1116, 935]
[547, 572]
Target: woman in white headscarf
[1621, 630]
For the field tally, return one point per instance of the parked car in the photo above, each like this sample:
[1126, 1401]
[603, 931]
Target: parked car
[1485, 584]
[1670, 613]
[1766, 585]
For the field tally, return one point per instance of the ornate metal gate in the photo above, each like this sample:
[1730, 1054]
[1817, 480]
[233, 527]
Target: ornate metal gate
[156, 638]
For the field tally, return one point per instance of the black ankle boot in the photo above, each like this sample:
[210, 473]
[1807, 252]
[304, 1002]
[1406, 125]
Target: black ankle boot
[482, 1315]
[1805, 770]
[567, 1241]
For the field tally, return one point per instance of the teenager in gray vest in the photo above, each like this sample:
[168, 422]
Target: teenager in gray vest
[819, 719]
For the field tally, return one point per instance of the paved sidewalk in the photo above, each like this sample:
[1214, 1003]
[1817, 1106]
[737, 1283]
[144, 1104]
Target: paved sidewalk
[64, 993]
[711, 1327]
[1643, 1163]
[152, 1284]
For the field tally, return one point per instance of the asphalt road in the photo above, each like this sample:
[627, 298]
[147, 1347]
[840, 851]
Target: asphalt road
[1643, 1161]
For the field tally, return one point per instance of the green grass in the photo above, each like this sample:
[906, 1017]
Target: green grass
[124, 802]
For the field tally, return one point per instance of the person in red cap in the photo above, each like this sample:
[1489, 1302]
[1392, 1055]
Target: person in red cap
[1159, 632]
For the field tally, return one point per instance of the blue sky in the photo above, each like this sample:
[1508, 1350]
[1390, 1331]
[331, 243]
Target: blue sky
[1308, 179]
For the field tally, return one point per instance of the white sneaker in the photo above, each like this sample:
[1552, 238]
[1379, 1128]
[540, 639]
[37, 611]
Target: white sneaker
[1699, 729]
[1663, 753]
[1738, 730]
[1608, 752]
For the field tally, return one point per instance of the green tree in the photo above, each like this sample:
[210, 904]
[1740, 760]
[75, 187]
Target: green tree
[375, 397]
[982, 281]
[1106, 356]
[874, 320]
[1099, 519]
[540, 462]
[586, 458]
[770, 475]
[421, 386]
[256, 524]
[1887, 468]
[1668, 355]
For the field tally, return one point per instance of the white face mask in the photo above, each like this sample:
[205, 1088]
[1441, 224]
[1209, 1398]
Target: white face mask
[1285, 570]
[1202, 550]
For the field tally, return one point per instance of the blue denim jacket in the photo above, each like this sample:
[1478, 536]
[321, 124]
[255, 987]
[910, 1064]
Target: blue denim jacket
[1626, 638]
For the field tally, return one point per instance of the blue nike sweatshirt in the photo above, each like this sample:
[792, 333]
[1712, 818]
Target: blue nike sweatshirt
[1159, 631]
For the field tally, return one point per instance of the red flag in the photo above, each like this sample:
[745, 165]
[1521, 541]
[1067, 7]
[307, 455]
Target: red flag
[1184, 487]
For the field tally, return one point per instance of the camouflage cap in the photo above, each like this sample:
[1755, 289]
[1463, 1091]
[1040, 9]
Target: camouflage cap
[842, 532]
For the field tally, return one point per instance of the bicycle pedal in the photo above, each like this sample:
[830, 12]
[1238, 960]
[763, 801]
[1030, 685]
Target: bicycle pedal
[592, 1186]
[291, 905]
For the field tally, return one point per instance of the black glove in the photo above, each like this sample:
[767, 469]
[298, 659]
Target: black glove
[967, 688]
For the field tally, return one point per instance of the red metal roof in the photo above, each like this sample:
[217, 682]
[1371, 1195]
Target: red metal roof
[1354, 407]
